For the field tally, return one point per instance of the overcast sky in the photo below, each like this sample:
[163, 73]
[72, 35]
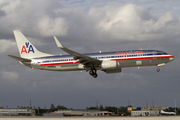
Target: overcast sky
[89, 26]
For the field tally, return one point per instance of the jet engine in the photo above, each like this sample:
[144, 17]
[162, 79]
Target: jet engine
[108, 64]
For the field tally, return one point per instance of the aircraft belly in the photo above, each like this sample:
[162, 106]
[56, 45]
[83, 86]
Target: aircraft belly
[159, 61]
[142, 62]
[61, 68]
[127, 63]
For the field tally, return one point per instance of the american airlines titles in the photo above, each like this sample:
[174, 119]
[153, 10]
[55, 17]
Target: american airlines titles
[130, 52]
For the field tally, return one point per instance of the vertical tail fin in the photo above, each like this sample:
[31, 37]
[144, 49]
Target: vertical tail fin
[26, 48]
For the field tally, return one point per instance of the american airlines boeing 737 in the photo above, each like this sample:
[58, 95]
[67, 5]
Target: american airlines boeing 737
[109, 62]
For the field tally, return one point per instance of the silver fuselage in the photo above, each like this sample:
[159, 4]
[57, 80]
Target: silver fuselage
[132, 58]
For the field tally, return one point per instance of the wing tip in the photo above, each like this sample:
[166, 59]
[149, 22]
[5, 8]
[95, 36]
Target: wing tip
[16, 31]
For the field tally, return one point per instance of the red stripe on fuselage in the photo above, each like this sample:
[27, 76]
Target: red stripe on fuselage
[143, 57]
[62, 63]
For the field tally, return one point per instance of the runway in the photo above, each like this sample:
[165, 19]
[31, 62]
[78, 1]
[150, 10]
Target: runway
[93, 118]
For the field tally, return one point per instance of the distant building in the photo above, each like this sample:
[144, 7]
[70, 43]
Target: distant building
[78, 112]
[16, 112]
[145, 113]
[129, 109]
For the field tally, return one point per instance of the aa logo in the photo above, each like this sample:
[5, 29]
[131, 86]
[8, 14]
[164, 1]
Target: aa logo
[27, 48]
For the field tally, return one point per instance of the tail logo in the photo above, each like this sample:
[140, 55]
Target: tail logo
[27, 48]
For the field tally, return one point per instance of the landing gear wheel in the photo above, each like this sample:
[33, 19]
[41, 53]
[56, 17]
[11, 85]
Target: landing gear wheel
[91, 72]
[95, 75]
[158, 69]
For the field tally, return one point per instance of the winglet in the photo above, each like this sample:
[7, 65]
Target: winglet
[58, 43]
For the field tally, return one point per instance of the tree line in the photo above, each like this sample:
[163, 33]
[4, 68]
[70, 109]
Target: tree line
[115, 110]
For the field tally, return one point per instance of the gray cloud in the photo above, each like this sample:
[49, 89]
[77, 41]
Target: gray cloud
[2, 13]
[88, 27]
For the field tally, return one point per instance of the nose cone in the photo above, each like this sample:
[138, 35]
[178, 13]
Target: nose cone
[171, 58]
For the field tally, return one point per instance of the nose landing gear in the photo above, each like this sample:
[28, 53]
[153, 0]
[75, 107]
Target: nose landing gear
[158, 69]
[160, 65]
[93, 73]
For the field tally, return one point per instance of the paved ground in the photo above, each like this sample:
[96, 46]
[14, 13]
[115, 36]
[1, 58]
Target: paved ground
[93, 118]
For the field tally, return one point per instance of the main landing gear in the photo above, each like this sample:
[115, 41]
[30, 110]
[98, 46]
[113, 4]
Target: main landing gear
[93, 73]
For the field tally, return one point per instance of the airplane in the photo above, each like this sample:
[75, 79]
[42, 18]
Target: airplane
[167, 113]
[109, 62]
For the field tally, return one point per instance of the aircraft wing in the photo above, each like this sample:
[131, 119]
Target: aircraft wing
[85, 60]
[20, 59]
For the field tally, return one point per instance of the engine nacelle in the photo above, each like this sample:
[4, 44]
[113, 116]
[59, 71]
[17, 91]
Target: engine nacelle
[108, 64]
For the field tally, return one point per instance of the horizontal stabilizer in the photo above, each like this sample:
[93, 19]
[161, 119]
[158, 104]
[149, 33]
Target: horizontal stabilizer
[20, 59]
